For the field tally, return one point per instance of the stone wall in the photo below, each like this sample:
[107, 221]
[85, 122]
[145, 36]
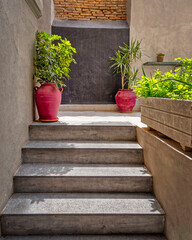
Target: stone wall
[18, 24]
[90, 9]
[171, 169]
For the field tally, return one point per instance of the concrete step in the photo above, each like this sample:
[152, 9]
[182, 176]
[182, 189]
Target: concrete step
[76, 213]
[112, 108]
[82, 178]
[82, 152]
[88, 237]
[83, 130]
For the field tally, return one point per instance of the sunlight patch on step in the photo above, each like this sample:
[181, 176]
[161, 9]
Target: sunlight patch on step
[83, 118]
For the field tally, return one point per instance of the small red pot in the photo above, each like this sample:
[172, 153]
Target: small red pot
[48, 99]
[125, 100]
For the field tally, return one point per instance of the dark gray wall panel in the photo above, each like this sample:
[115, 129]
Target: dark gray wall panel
[91, 79]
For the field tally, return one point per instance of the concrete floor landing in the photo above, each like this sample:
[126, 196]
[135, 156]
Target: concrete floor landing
[100, 118]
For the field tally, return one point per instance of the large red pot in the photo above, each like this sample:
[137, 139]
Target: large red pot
[48, 99]
[125, 100]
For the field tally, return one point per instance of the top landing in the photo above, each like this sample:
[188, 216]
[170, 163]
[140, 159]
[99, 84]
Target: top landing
[95, 118]
[99, 118]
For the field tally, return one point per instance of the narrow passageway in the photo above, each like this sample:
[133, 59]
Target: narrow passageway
[96, 174]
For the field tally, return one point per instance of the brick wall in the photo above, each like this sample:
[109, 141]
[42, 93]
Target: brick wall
[90, 9]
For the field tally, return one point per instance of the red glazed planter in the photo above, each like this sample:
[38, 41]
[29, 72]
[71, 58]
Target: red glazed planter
[48, 99]
[125, 100]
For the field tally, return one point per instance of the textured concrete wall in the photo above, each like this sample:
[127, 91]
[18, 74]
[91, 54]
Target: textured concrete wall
[128, 17]
[90, 10]
[18, 25]
[163, 26]
[171, 169]
[91, 80]
[46, 20]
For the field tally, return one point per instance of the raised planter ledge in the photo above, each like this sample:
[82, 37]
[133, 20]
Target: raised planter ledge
[170, 117]
[176, 106]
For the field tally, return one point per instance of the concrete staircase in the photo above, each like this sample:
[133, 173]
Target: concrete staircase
[83, 180]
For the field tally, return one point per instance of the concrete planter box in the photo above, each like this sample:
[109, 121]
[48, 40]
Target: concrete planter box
[171, 117]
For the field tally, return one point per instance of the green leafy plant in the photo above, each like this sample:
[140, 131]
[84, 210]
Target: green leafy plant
[160, 54]
[53, 58]
[175, 84]
[122, 61]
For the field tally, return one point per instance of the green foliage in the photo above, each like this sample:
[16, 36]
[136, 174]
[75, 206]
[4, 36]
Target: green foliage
[160, 54]
[121, 62]
[53, 59]
[175, 84]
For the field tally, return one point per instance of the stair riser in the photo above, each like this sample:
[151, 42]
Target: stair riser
[99, 156]
[83, 133]
[81, 224]
[82, 184]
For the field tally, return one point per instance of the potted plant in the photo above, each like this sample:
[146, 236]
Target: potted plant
[122, 63]
[166, 102]
[53, 58]
[160, 57]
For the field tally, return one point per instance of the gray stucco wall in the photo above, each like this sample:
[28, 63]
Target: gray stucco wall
[45, 21]
[172, 181]
[18, 26]
[162, 26]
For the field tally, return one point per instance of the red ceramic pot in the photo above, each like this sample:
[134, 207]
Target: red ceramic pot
[48, 99]
[125, 100]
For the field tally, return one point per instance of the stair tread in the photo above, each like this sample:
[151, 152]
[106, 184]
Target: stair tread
[83, 204]
[81, 145]
[82, 170]
[88, 237]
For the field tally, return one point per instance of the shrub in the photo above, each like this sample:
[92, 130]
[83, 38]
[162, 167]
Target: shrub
[175, 84]
[53, 58]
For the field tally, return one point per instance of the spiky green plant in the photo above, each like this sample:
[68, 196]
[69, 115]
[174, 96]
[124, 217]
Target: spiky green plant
[122, 62]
